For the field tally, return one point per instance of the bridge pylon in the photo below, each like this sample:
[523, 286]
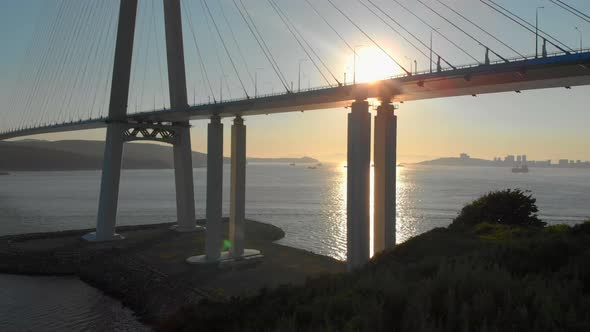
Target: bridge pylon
[120, 130]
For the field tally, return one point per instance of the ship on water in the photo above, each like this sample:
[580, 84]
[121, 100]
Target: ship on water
[520, 169]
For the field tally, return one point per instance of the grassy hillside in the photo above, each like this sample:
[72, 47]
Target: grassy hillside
[491, 278]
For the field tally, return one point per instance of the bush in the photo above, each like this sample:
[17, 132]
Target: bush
[583, 228]
[506, 207]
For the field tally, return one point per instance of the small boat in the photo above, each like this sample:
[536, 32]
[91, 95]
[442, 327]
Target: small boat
[401, 165]
[319, 165]
[312, 167]
[521, 169]
[292, 164]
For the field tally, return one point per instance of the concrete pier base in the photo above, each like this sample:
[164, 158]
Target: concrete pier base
[358, 185]
[384, 187]
[213, 241]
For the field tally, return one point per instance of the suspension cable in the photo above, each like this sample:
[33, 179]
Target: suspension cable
[261, 43]
[330, 25]
[217, 57]
[436, 30]
[480, 28]
[527, 26]
[409, 73]
[244, 62]
[572, 10]
[462, 30]
[226, 49]
[295, 34]
[406, 30]
[188, 14]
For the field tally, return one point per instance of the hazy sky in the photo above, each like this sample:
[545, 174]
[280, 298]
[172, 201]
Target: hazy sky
[544, 124]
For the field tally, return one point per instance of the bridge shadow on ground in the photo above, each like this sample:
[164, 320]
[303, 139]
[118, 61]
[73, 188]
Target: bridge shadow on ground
[147, 270]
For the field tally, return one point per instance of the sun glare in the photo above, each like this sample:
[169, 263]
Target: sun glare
[371, 65]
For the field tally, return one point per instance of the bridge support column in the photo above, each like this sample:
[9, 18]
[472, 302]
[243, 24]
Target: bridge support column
[358, 185]
[384, 187]
[113, 152]
[237, 213]
[213, 240]
[237, 209]
[183, 177]
[109, 186]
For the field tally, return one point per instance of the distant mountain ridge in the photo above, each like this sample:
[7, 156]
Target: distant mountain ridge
[39, 155]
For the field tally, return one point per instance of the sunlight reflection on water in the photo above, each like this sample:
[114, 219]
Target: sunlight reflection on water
[335, 208]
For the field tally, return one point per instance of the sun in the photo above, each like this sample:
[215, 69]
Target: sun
[371, 65]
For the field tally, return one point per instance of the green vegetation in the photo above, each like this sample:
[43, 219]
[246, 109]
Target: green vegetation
[494, 276]
[506, 207]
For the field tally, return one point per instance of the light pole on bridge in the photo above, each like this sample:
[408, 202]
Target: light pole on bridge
[581, 38]
[431, 51]
[299, 75]
[256, 81]
[354, 63]
[537, 31]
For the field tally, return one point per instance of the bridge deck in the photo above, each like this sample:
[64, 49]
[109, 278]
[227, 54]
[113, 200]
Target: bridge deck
[518, 75]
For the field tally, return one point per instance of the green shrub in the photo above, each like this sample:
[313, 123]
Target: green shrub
[560, 228]
[512, 207]
[583, 228]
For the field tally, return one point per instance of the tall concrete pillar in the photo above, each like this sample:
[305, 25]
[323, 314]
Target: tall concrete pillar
[109, 186]
[183, 168]
[213, 241]
[238, 187]
[111, 172]
[358, 185]
[183, 177]
[384, 186]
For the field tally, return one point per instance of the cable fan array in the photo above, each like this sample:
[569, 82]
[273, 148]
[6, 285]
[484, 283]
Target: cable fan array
[236, 49]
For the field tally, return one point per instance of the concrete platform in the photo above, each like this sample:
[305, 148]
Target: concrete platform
[197, 228]
[91, 237]
[226, 258]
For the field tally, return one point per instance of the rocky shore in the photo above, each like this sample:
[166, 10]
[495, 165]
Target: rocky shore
[147, 270]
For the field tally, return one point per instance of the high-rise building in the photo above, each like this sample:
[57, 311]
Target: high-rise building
[524, 158]
[518, 159]
[509, 159]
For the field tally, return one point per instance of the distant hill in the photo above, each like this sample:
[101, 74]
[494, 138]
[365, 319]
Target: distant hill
[38, 155]
[458, 162]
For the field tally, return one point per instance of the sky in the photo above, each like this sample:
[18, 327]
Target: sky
[544, 124]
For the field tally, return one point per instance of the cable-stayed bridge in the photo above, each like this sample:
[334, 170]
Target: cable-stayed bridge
[111, 78]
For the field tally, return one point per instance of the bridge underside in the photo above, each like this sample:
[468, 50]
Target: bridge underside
[552, 72]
